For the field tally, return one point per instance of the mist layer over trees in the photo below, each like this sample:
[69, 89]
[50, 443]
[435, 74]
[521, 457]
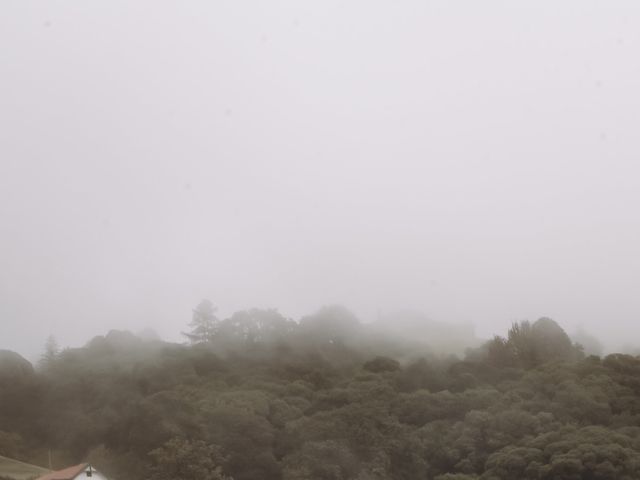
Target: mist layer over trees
[259, 396]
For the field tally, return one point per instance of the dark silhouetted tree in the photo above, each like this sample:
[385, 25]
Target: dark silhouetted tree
[204, 323]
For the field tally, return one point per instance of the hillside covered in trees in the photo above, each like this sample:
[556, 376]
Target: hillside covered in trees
[260, 397]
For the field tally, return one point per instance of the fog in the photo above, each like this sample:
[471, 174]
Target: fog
[476, 161]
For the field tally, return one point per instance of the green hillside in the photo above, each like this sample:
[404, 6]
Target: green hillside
[15, 470]
[260, 397]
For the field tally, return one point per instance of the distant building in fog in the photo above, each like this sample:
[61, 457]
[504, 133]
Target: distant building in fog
[77, 472]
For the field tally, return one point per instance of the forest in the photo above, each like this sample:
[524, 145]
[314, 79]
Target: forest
[258, 396]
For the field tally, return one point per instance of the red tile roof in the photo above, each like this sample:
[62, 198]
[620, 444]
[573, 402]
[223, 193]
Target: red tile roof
[66, 474]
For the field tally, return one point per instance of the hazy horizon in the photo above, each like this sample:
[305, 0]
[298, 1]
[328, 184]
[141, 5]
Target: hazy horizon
[474, 161]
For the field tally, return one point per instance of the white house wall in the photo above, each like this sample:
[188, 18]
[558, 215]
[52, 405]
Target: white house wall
[95, 476]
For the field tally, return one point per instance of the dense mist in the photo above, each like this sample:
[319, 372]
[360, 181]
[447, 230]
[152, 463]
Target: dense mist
[475, 162]
[329, 240]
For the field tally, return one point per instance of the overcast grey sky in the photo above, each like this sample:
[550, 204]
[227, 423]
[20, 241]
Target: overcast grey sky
[475, 160]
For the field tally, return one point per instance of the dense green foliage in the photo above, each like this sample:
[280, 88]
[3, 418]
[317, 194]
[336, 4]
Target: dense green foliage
[260, 397]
